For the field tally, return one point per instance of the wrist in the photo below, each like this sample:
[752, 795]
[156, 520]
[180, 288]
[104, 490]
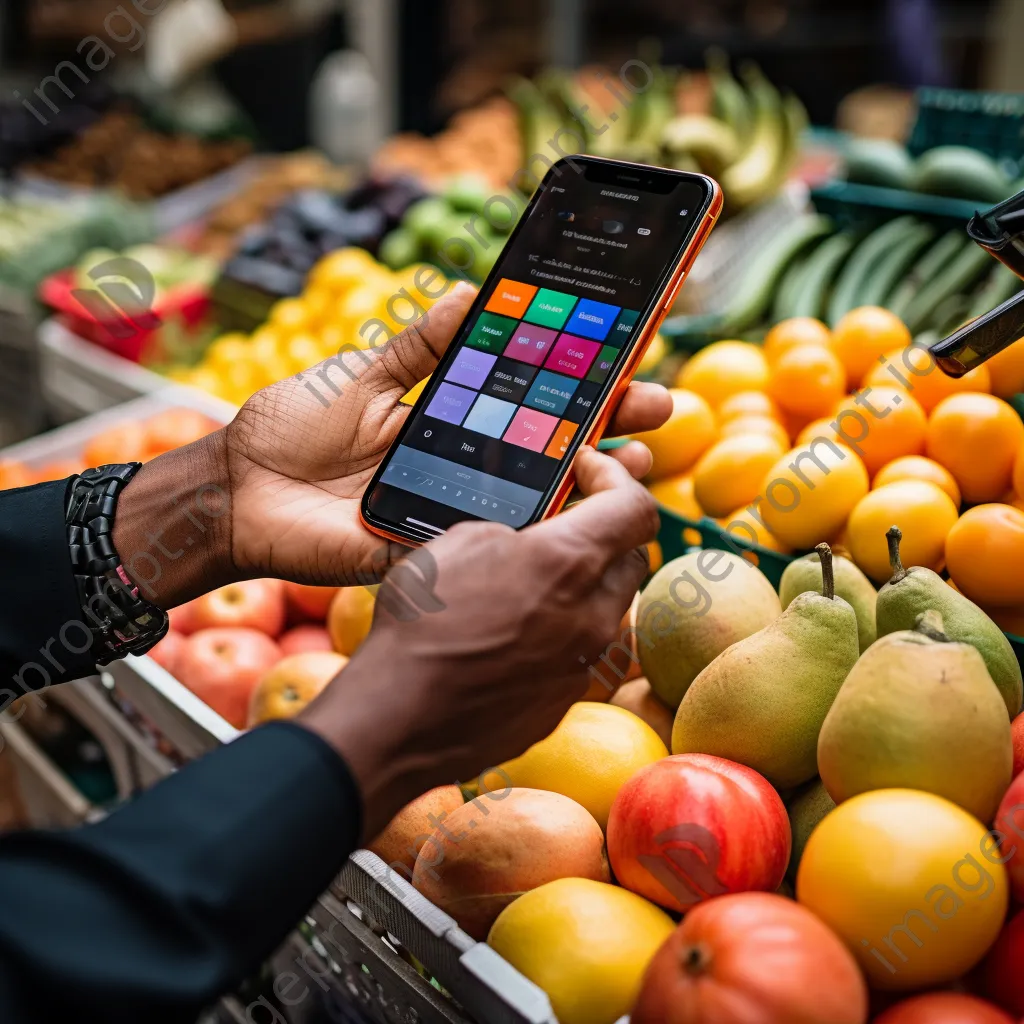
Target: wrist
[172, 530]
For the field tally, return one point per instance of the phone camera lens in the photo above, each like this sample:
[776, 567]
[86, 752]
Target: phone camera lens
[566, 215]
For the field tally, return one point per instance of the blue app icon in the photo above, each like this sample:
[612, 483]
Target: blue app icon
[592, 319]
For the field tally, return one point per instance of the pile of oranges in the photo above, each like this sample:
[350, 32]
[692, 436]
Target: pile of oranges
[821, 435]
[349, 300]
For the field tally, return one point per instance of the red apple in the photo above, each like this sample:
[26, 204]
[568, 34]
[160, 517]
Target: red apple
[1017, 732]
[692, 826]
[183, 618]
[755, 958]
[168, 651]
[223, 666]
[1002, 972]
[305, 638]
[309, 602]
[1010, 822]
[250, 604]
[944, 1008]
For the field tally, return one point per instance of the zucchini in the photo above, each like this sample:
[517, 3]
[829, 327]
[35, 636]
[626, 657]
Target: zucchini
[879, 162]
[827, 263]
[894, 264]
[960, 172]
[927, 267]
[956, 279]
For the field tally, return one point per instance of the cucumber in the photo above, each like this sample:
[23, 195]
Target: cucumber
[755, 294]
[960, 172]
[789, 286]
[948, 315]
[862, 263]
[879, 162]
[826, 261]
[956, 279]
[926, 268]
[894, 264]
[998, 287]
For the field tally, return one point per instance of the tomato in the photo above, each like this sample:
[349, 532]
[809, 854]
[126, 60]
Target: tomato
[943, 1008]
[1002, 974]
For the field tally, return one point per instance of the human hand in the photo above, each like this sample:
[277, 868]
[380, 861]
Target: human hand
[516, 619]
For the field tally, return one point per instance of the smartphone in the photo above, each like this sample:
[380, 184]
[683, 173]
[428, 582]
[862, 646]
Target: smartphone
[549, 346]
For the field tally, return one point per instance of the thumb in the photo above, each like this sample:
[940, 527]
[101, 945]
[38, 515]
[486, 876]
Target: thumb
[413, 355]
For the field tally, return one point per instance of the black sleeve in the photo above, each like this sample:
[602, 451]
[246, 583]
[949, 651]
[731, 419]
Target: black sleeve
[43, 638]
[168, 903]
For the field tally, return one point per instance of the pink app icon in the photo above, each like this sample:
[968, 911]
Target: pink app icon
[530, 344]
[572, 355]
[531, 429]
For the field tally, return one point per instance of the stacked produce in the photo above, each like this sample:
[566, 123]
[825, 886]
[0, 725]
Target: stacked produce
[118, 151]
[349, 300]
[839, 435]
[262, 649]
[932, 279]
[127, 442]
[955, 171]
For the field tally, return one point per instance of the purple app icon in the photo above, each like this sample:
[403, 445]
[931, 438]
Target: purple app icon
[470, 367]
[450, 403]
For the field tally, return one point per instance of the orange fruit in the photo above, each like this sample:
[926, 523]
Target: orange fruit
[924, 512]
[724, 369]
[795, 424]
[976, 437]
[1017, 478]
[293, 683]
[350, 617]
[807, 380]
[747, 403]
[865, 334]
[985, 555]
[762, 425]
[1006, 370]
[59, 470]
[918, 467]
[124, 443]
[809, 493]
[914, 369]
[676, 493]
[816, 429]
[174, 429]
[677, 444]
[14, 474]
[747, 527]
[730, 473]
[797, 330]
[883, 425]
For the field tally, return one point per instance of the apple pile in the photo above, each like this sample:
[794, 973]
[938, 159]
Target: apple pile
[263, 649]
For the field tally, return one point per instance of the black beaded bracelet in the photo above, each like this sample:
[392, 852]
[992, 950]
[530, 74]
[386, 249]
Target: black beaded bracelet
[122, 622]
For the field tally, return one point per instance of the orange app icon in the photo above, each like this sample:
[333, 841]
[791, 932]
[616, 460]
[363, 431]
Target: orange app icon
[511, 298]
[559, 443]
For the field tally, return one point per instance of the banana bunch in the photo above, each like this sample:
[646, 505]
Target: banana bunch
[751, 140]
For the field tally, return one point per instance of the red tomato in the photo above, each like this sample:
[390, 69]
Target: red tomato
[1010, 822]
[752, 958]
[1002, 972]
[692, 826]
[944, 1008]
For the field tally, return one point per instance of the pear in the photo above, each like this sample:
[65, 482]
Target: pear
[918, 711]
[762, 701]
[806, 810]
[693, 608]
[852, 586]
[915, 590]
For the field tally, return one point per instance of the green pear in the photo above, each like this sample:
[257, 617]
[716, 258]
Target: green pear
[919, 711]
[693, 608]
[852, 586]
[761, 702]
[915, 590]
[806, 811]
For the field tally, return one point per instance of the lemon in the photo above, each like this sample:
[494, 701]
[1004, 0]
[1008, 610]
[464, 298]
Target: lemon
[908, 882]
[342, 269]
[585, 943]
[592, 753]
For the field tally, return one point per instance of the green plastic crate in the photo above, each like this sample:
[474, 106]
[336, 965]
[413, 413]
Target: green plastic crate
[991, 122]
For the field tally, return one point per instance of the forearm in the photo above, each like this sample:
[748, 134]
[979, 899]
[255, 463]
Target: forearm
[172, 530]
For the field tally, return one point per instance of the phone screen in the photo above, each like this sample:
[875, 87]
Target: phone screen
[531, 366]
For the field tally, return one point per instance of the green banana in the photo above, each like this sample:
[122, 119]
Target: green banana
[752, 302]
[926, 268]
[752, 176]
[894, 264]
[729, 102]
[827, 263]
[711, 142]
[538, 123]
[956, 279]
[649, 113]
[789, 285]
[998, 287]
[795, 121]
[861, 264]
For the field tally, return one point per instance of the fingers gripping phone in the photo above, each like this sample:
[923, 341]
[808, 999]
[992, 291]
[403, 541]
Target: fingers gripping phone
[538, 366]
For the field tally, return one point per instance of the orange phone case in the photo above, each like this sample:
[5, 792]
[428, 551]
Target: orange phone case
[628, 369]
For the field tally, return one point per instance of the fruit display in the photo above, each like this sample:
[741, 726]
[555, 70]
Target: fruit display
[118, 151]
[260, 650]
[349, 301]
[955, 171]
[815, 267]
[274, 258]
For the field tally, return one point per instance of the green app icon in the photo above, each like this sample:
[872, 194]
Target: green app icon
[491, 332]
[550, 308]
